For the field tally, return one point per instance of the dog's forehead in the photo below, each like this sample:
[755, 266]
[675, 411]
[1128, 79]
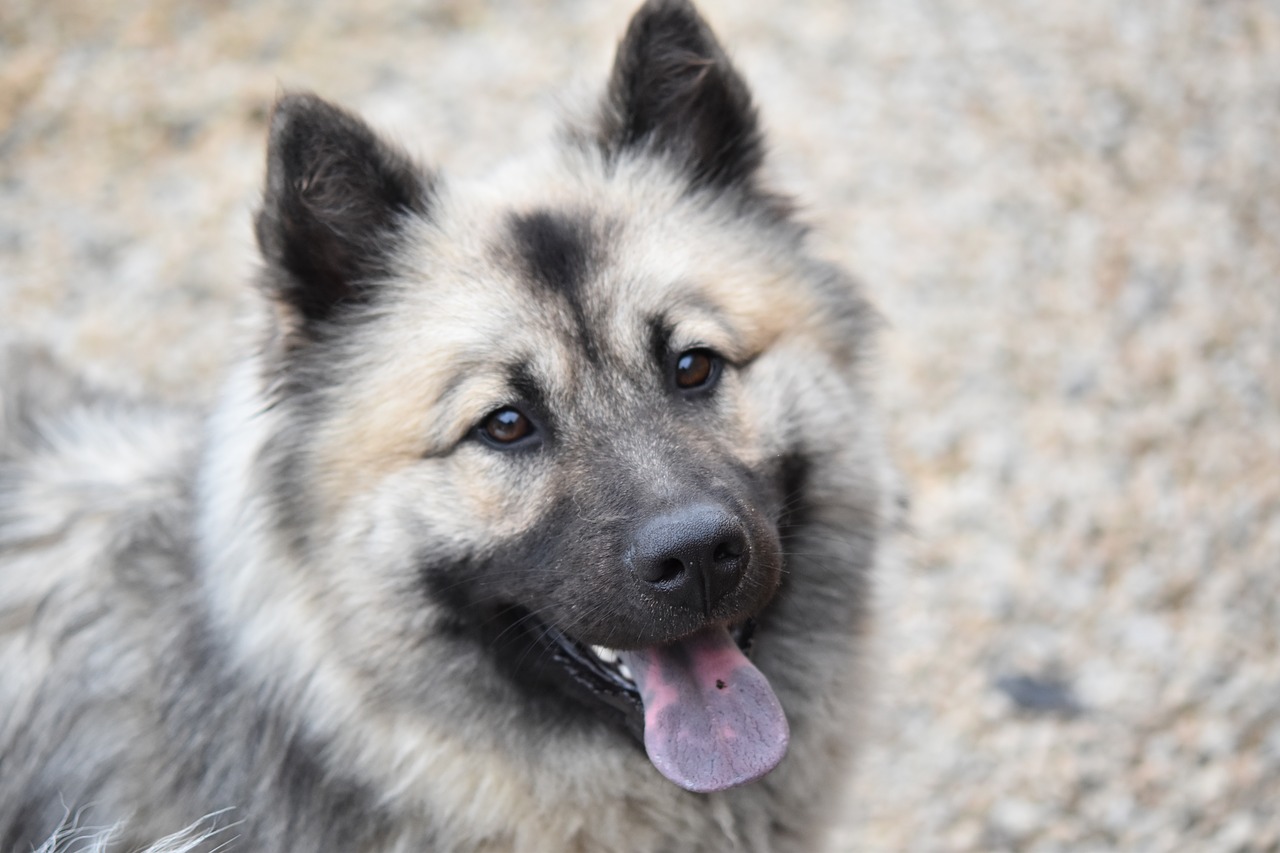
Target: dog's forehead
[594, 256]
[567, 273]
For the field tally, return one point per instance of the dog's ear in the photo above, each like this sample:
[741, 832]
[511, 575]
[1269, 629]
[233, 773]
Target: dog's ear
[336, 201]
[674, 92]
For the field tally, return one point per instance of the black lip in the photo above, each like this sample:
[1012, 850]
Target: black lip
[578, 672]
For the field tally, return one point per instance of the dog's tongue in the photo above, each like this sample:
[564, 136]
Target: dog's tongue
[711, 721]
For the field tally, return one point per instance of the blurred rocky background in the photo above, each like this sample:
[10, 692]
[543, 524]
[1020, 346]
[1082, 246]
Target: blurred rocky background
[1069, 213]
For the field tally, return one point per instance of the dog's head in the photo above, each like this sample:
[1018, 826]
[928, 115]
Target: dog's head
[556, 422]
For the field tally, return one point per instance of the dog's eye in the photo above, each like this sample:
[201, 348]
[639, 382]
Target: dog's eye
[697, 370]
[506, 426]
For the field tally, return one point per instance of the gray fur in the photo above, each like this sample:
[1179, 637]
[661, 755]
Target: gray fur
[279, 607]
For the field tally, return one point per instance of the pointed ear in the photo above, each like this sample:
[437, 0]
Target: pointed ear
[336, 201]
[674, 92]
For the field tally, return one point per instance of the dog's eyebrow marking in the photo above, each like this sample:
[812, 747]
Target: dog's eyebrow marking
[528, 389]
[484, 384]
[706, 322]
[558, 252]
[660, 332]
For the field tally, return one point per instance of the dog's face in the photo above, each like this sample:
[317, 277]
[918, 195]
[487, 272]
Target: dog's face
[569, 408]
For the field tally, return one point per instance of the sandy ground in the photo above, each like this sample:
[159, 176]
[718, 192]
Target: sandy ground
[1069, 213]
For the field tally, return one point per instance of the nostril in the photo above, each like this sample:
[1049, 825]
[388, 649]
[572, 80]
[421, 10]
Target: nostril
[727, 551]
[668, 571]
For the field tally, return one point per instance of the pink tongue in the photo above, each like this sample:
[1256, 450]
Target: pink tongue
[711, 721]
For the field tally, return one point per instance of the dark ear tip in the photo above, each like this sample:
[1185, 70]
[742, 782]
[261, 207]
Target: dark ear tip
[665, 16]
[290, 115]
[303, 103]
[667, 7]
[296, 111]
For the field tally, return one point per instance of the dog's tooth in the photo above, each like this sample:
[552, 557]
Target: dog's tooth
[625, 672]
[606, 655]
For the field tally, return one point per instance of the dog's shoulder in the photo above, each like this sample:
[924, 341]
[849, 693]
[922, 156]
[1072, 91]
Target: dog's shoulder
[95, 503]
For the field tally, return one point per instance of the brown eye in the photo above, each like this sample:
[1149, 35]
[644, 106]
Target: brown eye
[506, 426]
[696, 369]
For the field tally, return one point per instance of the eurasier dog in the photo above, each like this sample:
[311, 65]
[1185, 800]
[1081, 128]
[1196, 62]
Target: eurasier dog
[539, 516]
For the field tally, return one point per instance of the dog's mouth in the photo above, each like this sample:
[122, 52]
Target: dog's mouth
[598, 674]
[680, 679]
[707, 717]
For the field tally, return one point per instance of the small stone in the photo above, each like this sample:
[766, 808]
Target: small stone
[1037, 695]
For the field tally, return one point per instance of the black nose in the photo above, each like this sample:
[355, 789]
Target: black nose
[692, 557]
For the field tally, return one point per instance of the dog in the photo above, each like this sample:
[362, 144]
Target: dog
[539, 514]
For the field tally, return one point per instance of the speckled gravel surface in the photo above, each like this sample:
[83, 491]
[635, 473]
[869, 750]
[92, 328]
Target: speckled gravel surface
[1070, 214]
